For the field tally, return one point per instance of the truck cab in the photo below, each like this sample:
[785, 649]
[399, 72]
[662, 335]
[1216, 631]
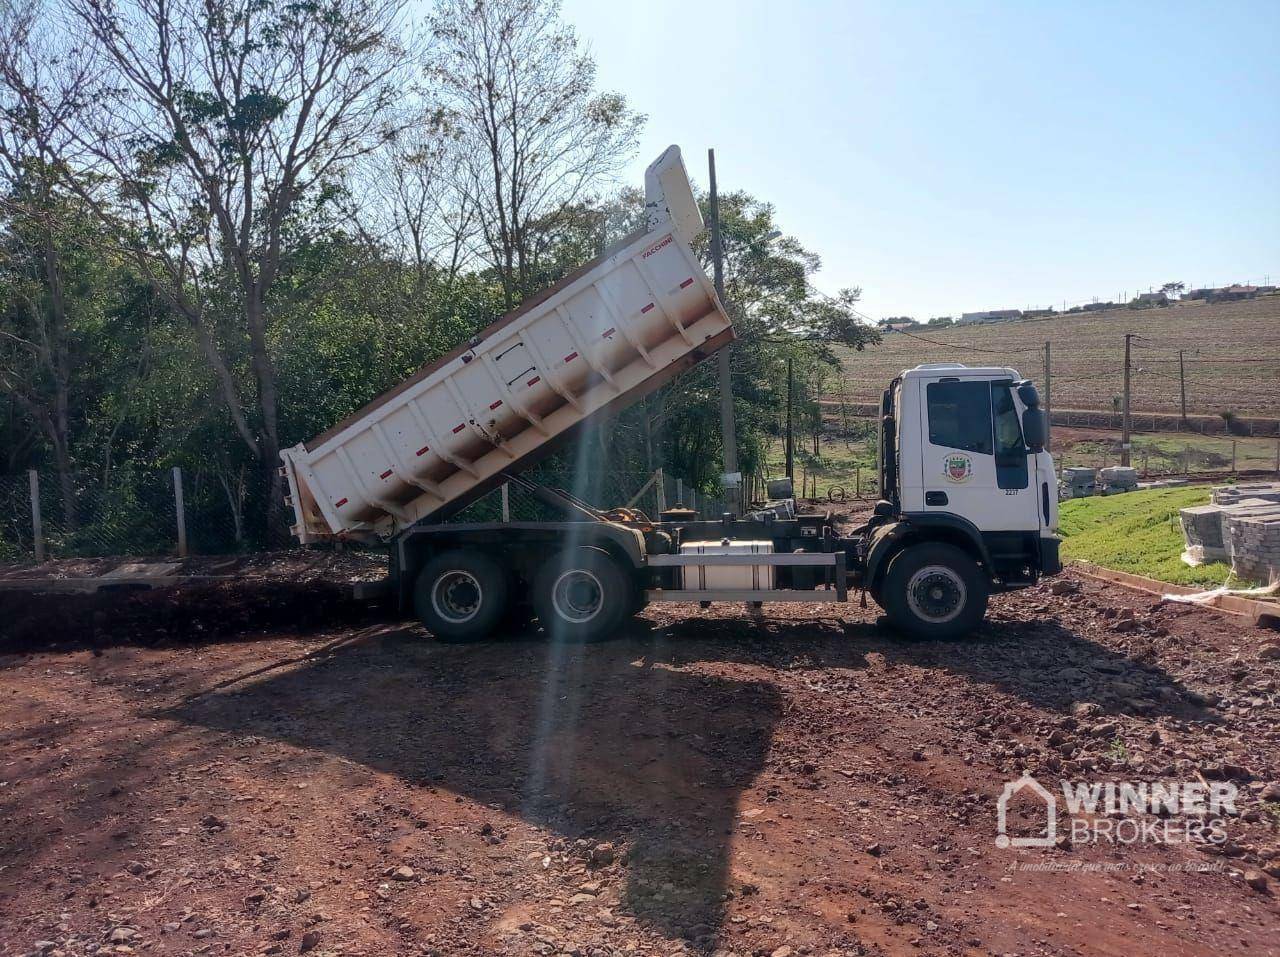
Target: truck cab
[963, 468]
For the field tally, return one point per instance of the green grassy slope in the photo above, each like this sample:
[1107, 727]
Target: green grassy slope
[1137, 532]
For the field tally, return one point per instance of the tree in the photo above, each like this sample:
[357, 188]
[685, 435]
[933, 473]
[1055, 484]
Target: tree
[47, 248]
[229, 122]
[538, 137]
[1172, 289]
[778, 314]
[939, 322]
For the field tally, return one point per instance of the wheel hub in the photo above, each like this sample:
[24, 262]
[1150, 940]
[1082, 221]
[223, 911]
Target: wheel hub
[936, 593]
[456, 596]
[578, 595]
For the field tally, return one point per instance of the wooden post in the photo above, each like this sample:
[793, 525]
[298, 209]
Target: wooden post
[1233, 456]
[1277, 456]
[37, 527]
[180, 511]
[506, 502]
[1182, 388]
[1048, 388]
[857, 481]
[789, 468]
[728, 431]
[680, 491]
[1125, 437]
[662, 491]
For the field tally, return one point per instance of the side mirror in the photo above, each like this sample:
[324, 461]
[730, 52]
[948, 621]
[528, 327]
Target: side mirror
[1028, 393]
[1034, 428]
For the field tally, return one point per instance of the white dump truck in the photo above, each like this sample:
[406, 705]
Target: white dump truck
[967, 508]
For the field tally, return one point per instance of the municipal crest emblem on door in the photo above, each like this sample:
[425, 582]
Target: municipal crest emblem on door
[957, 468]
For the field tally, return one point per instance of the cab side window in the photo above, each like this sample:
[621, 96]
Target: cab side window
[960, 416]
[1011, 451]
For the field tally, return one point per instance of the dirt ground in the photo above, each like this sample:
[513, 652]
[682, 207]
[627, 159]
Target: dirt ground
[264, 767]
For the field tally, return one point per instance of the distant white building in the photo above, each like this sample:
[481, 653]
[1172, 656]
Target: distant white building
[991, 315]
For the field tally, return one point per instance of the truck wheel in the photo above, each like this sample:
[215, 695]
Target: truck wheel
[582, 595]
[934, 590]
[461, 595]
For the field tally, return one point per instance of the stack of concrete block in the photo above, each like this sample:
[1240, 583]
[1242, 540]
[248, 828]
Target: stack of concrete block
[1231, 494]
[1078, 482]
[1242, 527]
[1255, 547]
[1119, 478]
[1202, 529]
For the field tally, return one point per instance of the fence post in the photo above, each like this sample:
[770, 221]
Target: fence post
[1277, 456]
[680, 491]
[1233, 456]
[662, 488]
[37, 527]
[180, 509]
[506, 502]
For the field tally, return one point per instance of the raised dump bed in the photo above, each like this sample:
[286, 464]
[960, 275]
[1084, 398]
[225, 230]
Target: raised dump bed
[599, 340]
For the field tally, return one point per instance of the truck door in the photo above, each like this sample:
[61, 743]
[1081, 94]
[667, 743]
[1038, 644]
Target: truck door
[973, 459]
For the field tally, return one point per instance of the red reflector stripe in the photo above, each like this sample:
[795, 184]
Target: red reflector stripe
[494, 405]
[385, 474]
[607, 333]
[459, 427]
[424, 450]
[535, 380]
[647, 308]
[687, 283]
[570, 357]
[339, 503]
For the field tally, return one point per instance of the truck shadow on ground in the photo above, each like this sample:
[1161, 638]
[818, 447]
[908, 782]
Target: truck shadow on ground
[614, 742]
[589, 742]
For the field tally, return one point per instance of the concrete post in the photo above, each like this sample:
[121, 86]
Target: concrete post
[506, 502]
[662, 487]
[37, 527]
[180, 510]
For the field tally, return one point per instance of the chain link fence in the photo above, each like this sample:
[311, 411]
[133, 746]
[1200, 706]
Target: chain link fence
[171, 512]
[1158, 456]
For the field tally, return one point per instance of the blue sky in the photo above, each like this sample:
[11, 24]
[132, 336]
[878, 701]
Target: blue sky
[950, 157]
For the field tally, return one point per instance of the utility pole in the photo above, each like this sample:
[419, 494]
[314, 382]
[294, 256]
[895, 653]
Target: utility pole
[728, 432]
[1124, 435]
[790, 448]
[1182, 386]
[1048, 385]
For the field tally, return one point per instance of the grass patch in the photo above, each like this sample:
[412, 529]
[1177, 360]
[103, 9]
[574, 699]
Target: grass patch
[1137, 532]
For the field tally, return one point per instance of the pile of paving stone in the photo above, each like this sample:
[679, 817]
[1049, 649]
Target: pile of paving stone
[1118, 478]
[1241, 526]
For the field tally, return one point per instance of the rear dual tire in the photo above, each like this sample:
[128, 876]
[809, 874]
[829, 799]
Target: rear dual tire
[583, 595]
[580, 595]
[462, 595]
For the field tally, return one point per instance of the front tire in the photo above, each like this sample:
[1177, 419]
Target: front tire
[461, 595]
[582, 595]
[934, 590]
